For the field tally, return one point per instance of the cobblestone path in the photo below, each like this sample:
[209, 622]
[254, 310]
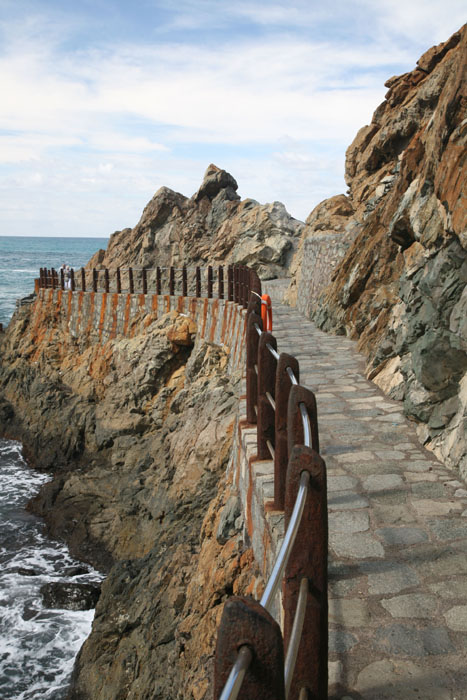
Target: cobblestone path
[397, 534]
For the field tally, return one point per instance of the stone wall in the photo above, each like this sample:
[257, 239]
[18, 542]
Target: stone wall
[96, 317]
[321, 256]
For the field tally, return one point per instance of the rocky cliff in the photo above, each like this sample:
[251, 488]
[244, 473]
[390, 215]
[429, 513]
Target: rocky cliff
[214, 226]
[137, 432]
[400, 289]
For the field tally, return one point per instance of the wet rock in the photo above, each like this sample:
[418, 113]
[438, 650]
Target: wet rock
[70, 596]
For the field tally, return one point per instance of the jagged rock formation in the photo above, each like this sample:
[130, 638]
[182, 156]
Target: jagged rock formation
[214, 226]
[401, 288]
[137, 432]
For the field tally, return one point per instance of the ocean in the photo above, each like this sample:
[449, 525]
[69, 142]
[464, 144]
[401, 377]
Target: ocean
[22, 256]
[38, 645]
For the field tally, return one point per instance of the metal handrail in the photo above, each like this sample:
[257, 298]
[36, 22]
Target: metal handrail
[237, 674]
[296, 634]
[287, 544]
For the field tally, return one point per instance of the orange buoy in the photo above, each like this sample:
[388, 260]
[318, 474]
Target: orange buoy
[266, 312]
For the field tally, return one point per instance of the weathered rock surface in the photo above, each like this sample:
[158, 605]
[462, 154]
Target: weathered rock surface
[214, 226]
[401, 287]
[70, 596]
[137, 432]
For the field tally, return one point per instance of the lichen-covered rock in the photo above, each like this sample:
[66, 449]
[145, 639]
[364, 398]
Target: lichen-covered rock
[400, 289]
[214, 226]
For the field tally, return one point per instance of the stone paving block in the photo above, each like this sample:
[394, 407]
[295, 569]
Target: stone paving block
[416, 605]
[355, 545]
[340, 641]
[387, 679]
[448, 528]
[393, 514]
[456, 618]
[352, 457]
[381, 482]
[388, 577]
[341, 483]
[429, 508]
[403, 640]
[417, 476]
[424, 489]
[393, 536]
[346, 500]
[450, 588]
[349, 521]
[348, 612]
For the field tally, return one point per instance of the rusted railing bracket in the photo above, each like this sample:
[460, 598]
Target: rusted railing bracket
[245, 622]
[308, 559]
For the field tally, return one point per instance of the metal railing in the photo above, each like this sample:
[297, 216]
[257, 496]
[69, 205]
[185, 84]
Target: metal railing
[250, 643]
[230, 282]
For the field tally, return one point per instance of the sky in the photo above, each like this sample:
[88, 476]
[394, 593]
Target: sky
[105, 101]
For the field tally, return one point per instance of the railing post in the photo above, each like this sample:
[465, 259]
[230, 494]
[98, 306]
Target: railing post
[54, 279]
[236, 291]
[221, 282]
[252, 343]
[245, 622]
[119, 281]
[184, 282]
[230, 283]
[172, 282]
[295, 434]
[308, 560]
[158, 281]
[106, 280]
[266, 384]
[281, 455]
[83, 280]
[72, 278]
[145, 281]
[131, 281]
[245, 288]
[62, 278]
[209, 282]
[94, 280]
[198, 282]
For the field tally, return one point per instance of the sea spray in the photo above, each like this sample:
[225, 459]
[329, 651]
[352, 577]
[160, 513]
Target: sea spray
[37, 645]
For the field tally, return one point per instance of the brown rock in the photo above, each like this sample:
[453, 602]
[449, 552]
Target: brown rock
[214, 226]
[400, 287]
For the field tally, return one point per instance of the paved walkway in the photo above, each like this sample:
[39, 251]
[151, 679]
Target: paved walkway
[397, 531]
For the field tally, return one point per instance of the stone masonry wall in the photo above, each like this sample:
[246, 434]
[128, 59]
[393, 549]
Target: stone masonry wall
[95, 317]
[321, 256]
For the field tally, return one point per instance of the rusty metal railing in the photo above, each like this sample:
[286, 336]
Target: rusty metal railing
[250, 642]
[230, 282]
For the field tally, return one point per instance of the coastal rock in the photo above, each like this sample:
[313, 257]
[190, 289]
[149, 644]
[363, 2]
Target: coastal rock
[213, 227]
[138, 432]
[400, 285]
[69, 596]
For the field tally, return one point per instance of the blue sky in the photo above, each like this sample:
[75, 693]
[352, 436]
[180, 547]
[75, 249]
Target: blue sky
[105, 101]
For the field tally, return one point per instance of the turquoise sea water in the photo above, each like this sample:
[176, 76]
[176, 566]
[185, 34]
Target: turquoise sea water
[22, 256]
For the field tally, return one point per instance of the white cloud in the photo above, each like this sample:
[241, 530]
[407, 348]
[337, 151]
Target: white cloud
[275, 95]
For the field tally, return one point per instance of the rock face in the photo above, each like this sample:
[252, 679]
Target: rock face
[401, 287]
[214, 226]
[137, 432]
